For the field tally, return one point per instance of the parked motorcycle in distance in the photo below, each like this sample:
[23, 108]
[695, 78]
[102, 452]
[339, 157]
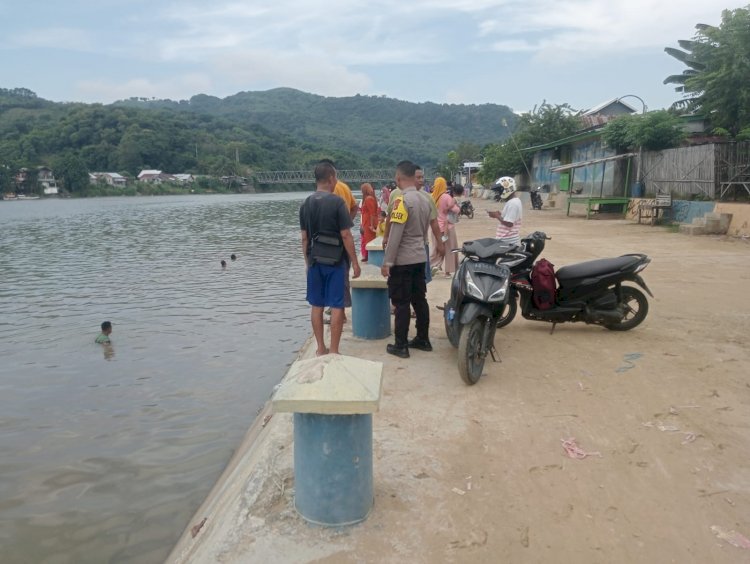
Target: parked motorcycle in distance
[479, 294]
[467, 209]
[592, 291]
[536, 198]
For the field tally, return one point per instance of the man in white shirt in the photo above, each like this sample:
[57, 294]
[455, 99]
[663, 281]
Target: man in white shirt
[509, 220]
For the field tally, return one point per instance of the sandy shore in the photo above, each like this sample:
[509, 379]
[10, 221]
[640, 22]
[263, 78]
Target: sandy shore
[478, 474]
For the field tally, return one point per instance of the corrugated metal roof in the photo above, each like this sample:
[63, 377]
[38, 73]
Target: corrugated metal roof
[580, 164]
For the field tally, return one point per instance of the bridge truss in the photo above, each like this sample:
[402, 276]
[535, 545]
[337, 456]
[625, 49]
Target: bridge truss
[356, 176]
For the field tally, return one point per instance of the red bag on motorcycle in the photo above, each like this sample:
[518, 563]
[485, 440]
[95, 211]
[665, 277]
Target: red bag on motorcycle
[544, 283]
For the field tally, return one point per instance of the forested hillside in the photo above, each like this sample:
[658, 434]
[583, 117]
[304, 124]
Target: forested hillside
[277, 129]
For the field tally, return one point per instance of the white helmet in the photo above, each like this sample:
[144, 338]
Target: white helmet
[507, 184]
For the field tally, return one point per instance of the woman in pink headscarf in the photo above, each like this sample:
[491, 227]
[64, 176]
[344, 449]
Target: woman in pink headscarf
[446, 204]
[369, 219]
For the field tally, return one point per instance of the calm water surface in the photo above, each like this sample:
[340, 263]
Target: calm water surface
[105, 453]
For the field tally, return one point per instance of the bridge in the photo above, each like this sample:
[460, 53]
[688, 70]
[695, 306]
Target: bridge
[356, 176]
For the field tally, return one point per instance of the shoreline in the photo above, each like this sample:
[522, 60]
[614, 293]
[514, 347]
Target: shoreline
[477, 473]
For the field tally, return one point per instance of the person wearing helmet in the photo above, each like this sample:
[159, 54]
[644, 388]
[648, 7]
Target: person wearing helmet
[509, 220]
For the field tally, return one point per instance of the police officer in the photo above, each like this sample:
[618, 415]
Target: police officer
[404, 262]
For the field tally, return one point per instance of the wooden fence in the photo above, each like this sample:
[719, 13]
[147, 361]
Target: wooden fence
[700, 169]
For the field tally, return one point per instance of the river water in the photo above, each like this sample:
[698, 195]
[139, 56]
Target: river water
[106, 452]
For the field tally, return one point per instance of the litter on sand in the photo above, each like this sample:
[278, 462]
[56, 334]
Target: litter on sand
[732, 537]
[574, 451]
[457, 491]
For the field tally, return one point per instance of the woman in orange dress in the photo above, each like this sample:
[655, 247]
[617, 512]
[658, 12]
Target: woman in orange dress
[369, 219]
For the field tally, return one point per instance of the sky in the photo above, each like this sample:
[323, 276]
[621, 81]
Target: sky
[519, 53]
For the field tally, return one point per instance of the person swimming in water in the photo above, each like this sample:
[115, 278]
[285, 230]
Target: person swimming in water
[223, 263]
[103, 337]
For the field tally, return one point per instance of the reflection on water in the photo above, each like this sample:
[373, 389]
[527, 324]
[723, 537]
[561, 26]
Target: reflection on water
[106, 451]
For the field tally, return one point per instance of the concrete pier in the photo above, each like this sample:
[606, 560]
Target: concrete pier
[478, 474]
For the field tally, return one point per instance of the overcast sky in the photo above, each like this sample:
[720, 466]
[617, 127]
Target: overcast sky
[513, 52]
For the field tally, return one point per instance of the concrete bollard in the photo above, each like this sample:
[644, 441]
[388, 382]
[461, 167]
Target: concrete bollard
[371, 309]
[333, 398]
[375, 252]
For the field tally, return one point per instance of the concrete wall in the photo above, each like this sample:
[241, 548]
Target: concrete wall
[740, 217]
[685, 211]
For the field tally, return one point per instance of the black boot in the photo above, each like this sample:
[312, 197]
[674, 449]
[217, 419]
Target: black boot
[420, 344]
[402, 352]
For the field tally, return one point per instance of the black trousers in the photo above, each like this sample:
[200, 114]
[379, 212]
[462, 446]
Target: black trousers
[407, 286]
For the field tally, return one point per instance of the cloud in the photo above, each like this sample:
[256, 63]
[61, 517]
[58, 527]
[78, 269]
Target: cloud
[69, 38]
[561, 29]
[173, 88]
[261, 69]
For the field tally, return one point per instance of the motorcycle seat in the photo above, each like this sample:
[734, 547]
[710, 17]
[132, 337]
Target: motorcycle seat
[486, 248]
[595, 267]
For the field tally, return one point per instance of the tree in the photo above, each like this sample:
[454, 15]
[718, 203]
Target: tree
[543, 124]
[717, 80]
[654, 131]
[72, 171]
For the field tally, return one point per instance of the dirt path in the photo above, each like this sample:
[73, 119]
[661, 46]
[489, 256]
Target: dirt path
[478, 474]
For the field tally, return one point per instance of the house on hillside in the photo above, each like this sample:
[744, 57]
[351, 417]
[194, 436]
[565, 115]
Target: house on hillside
[46, 180]
[154, 176]
[110, 178]
[184, 178]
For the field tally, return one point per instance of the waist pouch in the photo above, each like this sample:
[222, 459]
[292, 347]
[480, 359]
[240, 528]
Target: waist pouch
[326, 249]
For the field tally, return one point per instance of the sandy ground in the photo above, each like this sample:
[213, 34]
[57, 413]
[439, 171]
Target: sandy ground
[478, 474]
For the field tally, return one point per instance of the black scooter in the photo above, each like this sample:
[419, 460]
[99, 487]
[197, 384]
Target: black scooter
[479, 294]
[591, 292]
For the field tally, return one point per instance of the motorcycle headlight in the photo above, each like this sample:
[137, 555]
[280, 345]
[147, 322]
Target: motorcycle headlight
[471, 287]
[499, 295]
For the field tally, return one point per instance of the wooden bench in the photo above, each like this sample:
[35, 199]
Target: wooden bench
[662, 201]
[589, 201]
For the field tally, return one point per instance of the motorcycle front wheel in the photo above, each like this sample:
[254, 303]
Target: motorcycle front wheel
[452, 328]
[470, 357]
[635, 307]
[509, 312]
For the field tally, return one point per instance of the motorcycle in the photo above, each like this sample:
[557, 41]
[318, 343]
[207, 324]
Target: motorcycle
[536, 198]
[479, 294]
[591, 291]
[467, 209]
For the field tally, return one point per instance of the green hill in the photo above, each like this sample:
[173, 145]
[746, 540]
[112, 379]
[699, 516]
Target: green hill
[276, 129]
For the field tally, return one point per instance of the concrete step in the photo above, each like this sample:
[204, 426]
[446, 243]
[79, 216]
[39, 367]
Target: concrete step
[691, 229]
[718, 222]
[699, 221]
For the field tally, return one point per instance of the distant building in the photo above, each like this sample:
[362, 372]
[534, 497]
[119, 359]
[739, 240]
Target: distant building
[109, 178]
[184, 178]
[155, 176]
[46, 179]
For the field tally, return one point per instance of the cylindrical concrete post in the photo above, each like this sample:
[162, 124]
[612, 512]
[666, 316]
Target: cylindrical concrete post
[371, 313]
[333, 468]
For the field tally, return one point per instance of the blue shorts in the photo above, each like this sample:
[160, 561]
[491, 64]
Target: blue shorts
[325, 285]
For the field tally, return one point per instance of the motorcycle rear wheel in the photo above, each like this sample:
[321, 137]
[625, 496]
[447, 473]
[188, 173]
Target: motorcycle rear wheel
[470, 358]
[509, 312]
[636, 309]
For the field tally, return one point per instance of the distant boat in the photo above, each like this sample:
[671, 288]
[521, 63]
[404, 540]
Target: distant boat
[12, 196]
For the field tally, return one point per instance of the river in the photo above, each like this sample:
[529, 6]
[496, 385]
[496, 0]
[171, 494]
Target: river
[106, 452]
